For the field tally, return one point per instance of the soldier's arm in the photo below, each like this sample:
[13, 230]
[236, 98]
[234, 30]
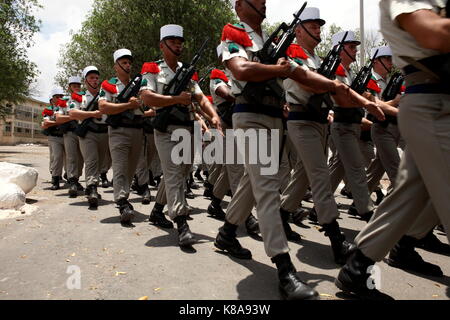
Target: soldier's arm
[225, 93]
[207, 107]
[61, 119]
[77, 114]
[386, 107]
[159, 100]
[110, 108]
[429, 29]
[244, 70]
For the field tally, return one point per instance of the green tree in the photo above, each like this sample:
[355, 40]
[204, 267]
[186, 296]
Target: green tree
[17, 27]
[135, 24]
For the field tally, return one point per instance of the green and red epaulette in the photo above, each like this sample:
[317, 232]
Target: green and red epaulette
[237, 34]
[150, 67]
[48, 112]
[295, 51]
[210, 98]
[109, 86]
[219, 74]
[61, 103]
[341, 71]
[373, 86]
[78, 97]
[195, 77]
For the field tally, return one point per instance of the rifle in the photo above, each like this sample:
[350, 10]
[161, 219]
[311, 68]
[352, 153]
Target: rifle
[327, 69]
[274, 48]
[131, 90]
[176, 86]
[83, 128]
[364, 75]
[393, 87]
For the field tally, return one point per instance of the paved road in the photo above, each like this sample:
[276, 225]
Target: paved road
[41, 254]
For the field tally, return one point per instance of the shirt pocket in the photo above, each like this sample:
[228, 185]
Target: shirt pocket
[161, 83]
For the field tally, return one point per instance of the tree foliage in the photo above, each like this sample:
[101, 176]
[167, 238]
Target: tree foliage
[135, 25]
[17, 27]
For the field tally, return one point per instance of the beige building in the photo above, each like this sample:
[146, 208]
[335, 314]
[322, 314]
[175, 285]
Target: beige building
[23, 125]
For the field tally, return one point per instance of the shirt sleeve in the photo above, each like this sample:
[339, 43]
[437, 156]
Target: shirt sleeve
[105, 95]
[217, 83]
[398, 7]
[232, 49]
[149, 82]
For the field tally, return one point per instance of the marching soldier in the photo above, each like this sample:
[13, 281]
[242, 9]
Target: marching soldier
[55, 138]
[74, 158]
[94, 141]
[157, 76]
[125, 131]
[230, 174]
[385, 135]
[240, 43]
[418, 36]
[309, 130]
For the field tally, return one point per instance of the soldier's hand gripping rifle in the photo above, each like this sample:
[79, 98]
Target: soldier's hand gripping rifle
[274, 48]
[364, 75]
[175, 87]
[131, 90]
[327, 69]
[83, 128]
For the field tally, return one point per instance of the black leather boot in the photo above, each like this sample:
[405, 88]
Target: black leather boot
[252, 225]
[290, 286]
[215, 210]
[144, 191]
[79, 186]
[134, 184]
[188, 193]
[354, 278]
[92, 196]
[55, 183]
[341, 248]
[157, 180]
[308, 196]
[104, 178]
[126, 211]
[354, 212]
[380, 196]
[198, 175]
[185, 236]
[312, 216]
[290, 234]
[151, 179]
[158, 218]
[431, 243]
[299, 216]
[346, 193]
[208, 193]
[403, 256]
[73, 190]
[226, 241]
[191, 182]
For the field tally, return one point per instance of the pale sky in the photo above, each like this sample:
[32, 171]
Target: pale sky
[60, 17]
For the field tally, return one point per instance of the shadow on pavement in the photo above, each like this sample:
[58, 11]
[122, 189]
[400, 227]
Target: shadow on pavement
[316, 255]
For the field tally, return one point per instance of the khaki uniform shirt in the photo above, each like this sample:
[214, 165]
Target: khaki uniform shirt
[401, 42]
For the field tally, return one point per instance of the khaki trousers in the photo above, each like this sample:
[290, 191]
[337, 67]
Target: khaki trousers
[174, 174]
[57, 155]
[264, 188]
[94, 150]
[125, 145]
[387, 140]
[423, 177]
[311, 144]
[346, 138]
[74, 158]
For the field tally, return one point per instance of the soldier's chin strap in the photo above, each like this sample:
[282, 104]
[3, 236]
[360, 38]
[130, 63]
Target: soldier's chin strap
[310, 34]
[170, 49]
[254, 8]
[92, 87]
[127, 72]
[384, 66]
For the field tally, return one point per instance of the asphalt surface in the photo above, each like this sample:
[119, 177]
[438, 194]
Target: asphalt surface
[66, 251]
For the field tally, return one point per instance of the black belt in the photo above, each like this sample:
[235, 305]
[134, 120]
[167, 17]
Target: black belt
[259, 109]
[348, 115]
[428, 88]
